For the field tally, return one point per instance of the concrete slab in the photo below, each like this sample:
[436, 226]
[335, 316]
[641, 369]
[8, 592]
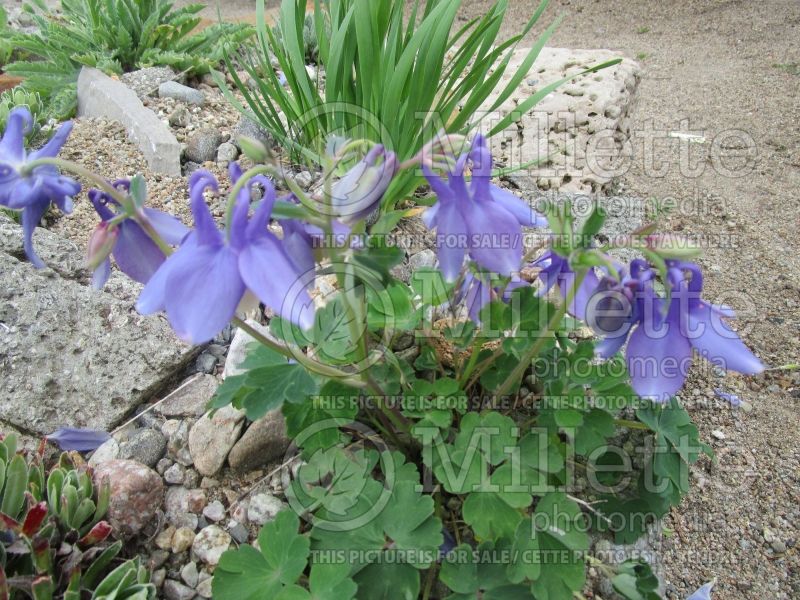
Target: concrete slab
[580, 130]
[101, 96]
[71, 356]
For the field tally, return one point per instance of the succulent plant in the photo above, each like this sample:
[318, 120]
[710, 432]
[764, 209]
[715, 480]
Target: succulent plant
[10, 99]
[53, 535]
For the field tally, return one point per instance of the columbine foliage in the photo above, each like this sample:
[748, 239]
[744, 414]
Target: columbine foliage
[389, 79]
[115, 36]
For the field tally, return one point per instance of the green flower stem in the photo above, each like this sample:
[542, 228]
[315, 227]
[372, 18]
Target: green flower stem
[80, 171]
[124, 200]
[630, 424]
[309, 363]
[534, 350]
[274, 172]
[431, 577]
[473, 359]
[485, 364]
[145, 224]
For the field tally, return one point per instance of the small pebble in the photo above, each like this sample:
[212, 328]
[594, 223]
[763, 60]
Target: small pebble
[182, 540]
[778, 546]
[204, 588]
[189, 574]
[158, 577]
[164, 538]
[239, 533]
[174, 590]
[263, 508]
[215, 511]
[157, 558]
[175, 474]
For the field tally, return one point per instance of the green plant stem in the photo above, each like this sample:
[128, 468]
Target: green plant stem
[129, 208]
[273, 172]
[534, 350]
[485, 364]
[431, 577]
[473, 359]
[630, 424]
[76, 169]
[309, 363]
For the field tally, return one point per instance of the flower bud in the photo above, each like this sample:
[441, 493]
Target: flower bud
[97, 534]
[359, 192]
[253, 149]
[102, 242]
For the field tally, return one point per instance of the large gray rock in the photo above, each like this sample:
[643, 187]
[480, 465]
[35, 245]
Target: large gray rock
[146, 446]
[71, 356]
[101, 96]
[202, 145]
[247, 127]
[183, 93]
[582, 128]
[264, 442]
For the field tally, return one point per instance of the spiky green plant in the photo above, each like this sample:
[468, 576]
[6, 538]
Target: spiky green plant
[115, 36]
[389, 79]
[6, 47]
[10, 99]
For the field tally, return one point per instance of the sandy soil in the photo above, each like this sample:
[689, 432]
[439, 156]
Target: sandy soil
[724, 65]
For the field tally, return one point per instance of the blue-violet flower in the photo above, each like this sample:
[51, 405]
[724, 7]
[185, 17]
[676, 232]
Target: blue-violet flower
[32, 193]
[201, 285]
[478, 219]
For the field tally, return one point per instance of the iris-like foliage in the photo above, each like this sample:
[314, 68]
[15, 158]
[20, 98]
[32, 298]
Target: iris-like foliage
[32, 192]
[202, 284]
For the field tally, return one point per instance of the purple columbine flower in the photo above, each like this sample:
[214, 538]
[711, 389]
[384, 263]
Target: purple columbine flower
[703, 592]
[80, 440]
[138, 256]
[476, 292]
[478, 219]
[201, 285]
[731, 399]
[34, 193]
[555, 270]
[359, 192]
[661, 336]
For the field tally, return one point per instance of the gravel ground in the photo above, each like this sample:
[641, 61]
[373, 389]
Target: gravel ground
[103, 146]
